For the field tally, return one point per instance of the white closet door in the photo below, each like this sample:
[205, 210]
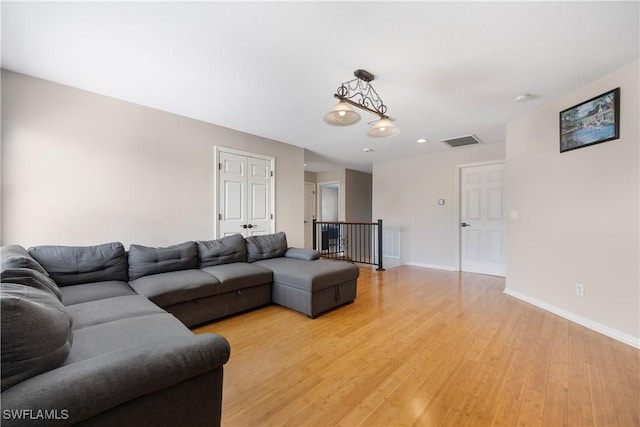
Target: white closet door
[259, 197]
[245, 197]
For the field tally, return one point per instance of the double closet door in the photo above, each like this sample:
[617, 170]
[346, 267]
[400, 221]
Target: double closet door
[244, 194]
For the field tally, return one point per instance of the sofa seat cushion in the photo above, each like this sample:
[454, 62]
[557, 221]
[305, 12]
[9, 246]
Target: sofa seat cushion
[175, 383]
[165, 289]
[76, 294]
[93, 313]
[239, 275]
[36, 332]
[72, 265]
[310, 275]
[125, 334]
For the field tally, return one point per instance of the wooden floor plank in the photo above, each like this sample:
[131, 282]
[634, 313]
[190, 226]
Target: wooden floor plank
[425, 347]
[579, 402]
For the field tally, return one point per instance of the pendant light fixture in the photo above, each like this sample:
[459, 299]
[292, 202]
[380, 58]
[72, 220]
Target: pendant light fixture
[342, 115]
[382, 128]
[360, 94]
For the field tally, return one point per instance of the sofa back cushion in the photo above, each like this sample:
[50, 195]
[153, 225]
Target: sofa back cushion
[36, 333]
[15, 256]
[222, 251]
[266, 246]
[73, 265]
[145, 260]
[32, 278]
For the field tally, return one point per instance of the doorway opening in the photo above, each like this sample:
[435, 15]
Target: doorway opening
[329, 201]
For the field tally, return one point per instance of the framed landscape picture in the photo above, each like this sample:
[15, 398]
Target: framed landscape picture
[591, 122]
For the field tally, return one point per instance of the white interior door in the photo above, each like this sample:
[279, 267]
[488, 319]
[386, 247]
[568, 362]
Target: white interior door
[483, 225]
[259, 204]
[232, 205]
[309, 212]
[245, 198]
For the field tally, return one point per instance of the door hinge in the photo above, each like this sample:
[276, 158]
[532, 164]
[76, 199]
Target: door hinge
[271, 216]
[220, 216]
[271, 173]
[220, 166]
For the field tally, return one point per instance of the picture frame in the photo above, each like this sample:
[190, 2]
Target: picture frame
[591, 122]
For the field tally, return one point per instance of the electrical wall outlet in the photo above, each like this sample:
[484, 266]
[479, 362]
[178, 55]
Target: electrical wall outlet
[580, 289]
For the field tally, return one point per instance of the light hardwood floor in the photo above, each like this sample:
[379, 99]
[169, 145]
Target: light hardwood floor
[430, 348]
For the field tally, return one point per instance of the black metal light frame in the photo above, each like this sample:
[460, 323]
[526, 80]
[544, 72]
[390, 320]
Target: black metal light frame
[359, 93]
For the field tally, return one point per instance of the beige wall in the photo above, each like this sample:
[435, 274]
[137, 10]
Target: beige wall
[309, 176]
[578, 214]
[355, 193]
[405, 196]
[358, 196]
[80, 169]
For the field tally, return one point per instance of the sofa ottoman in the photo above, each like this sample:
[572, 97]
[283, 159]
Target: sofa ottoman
[311, 287]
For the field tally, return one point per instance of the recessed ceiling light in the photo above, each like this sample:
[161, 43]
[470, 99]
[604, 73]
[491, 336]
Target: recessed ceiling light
[367, 150]
[421, 141]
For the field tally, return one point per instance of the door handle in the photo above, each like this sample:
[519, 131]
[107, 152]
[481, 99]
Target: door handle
[244, 225]
[250, 226]
[464, 224]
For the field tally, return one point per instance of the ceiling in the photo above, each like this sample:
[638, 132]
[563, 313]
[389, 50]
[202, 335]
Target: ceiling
[444, 69]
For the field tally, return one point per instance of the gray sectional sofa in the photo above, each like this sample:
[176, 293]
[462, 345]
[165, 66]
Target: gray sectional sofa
[202, 281]
[96, 335]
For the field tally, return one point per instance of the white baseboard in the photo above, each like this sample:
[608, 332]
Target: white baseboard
[437, 267]
[598, 327]
[390, 262]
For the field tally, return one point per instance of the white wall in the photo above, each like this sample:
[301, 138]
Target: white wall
[578, 214]
[405, 196]
[80, 169]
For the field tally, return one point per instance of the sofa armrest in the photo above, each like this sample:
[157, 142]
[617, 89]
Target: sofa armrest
[300, 253]
[81, 390]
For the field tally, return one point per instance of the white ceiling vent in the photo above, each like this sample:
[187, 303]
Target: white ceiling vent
[462, 141]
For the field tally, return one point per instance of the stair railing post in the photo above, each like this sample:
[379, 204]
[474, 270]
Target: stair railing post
[380, 268]
[314, 235]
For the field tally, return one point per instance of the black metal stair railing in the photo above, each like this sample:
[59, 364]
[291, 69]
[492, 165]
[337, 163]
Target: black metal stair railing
[359, 242]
